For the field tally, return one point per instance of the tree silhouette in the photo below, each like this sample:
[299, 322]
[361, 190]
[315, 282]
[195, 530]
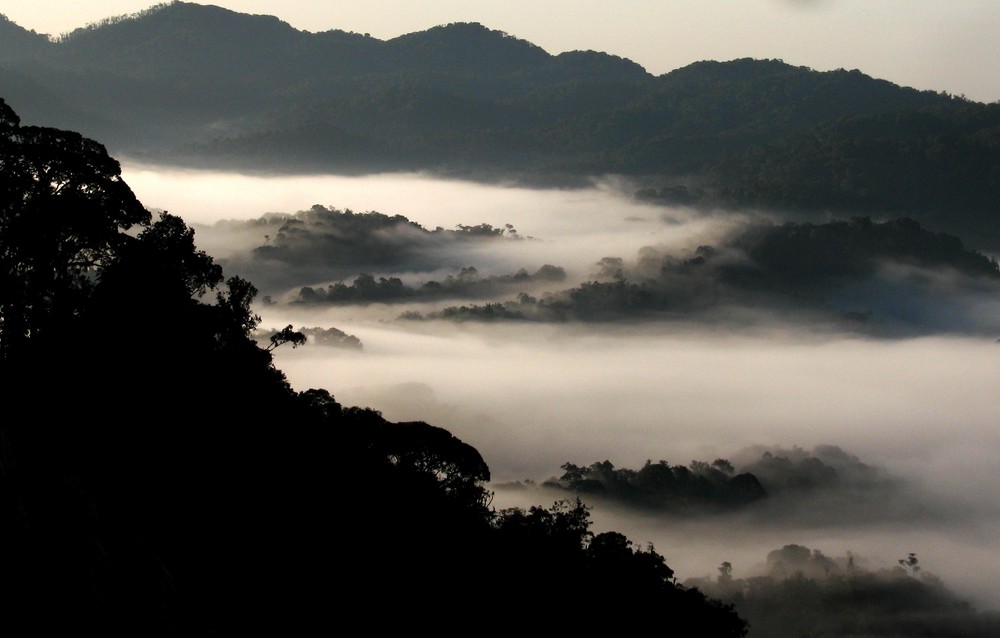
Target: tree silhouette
[910, 563]
[159, 476]
[286, 335]
[63, 210]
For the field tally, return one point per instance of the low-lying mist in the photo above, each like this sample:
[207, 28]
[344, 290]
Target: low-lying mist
[917, 406]
[571, 216]
[532, 398]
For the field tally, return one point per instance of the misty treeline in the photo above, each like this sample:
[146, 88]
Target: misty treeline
[659, 485]
[800, 591]
[880, 278]
[203, 85]
[336, 237]
[857, 274]
[161, 477]
[753, 476]
[326, 243]
[467, 283]
[796, 591]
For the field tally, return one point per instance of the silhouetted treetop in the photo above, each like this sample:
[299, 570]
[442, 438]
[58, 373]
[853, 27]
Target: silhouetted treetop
[660, 486]
[63, 210]
[772, 486]
[330, 337]
[564, 560]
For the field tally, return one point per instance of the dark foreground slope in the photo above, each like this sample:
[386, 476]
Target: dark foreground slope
[158, 475]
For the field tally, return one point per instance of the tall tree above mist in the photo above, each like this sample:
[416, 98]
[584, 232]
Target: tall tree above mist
[63, 210]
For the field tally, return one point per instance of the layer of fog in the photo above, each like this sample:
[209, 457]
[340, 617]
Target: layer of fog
[923, 410]
[532, 397]
[562, 223]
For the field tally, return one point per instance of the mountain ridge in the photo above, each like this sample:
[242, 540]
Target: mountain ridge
[199, 85]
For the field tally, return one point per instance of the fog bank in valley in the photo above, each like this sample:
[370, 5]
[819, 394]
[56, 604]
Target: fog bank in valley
[571, 216]
[918, 407]
[921, 410]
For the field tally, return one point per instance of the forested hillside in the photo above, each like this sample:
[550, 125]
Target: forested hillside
[159, 476]
[200, 85]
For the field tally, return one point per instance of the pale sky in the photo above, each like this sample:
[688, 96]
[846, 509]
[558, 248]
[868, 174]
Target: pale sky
[926, 44]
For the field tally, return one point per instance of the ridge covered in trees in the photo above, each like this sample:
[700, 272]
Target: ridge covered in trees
[883, 278]
[770, 482]
[178, 485]
[326, 243]
[848, 274]
[201, 85]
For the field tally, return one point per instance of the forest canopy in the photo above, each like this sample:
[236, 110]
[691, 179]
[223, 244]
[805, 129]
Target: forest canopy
[855, 274]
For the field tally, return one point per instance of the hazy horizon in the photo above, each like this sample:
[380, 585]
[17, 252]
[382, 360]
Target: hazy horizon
[922, 44]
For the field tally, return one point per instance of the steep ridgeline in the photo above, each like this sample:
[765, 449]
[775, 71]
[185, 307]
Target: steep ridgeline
[203, 65]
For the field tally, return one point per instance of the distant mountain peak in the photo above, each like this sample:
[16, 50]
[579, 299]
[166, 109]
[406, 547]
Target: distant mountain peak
[470, 46]
[187, 15]
[466, 29]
